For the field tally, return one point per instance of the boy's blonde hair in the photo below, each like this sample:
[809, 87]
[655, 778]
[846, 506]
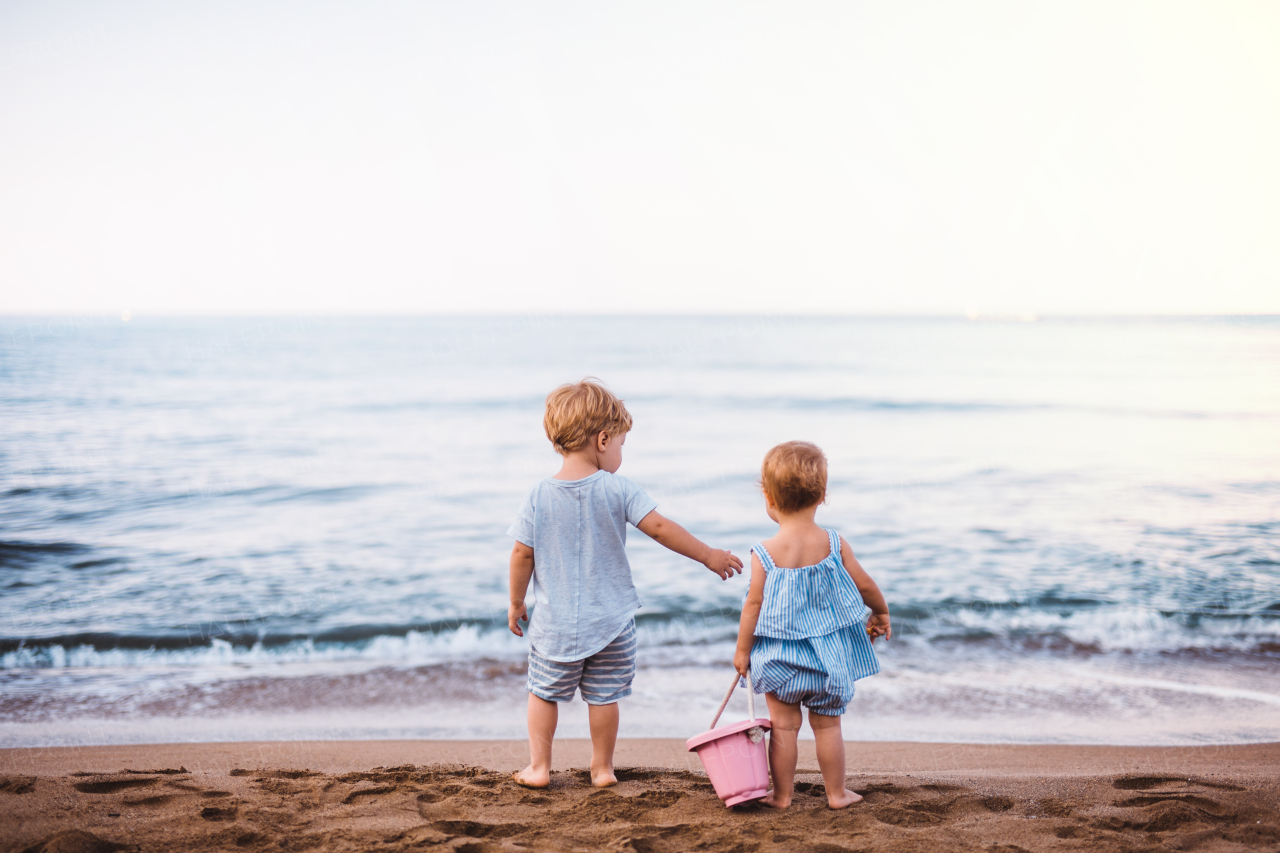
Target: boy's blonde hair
[794, 475]
[579, 411]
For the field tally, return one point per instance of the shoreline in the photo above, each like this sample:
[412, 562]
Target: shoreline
[503, 755]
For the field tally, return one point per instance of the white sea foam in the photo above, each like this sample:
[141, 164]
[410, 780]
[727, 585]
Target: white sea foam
[700, 640]
[413, 648]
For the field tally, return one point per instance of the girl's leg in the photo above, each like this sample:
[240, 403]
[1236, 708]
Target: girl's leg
[604, 734]
[783, 733]
[543, 716]
[830, 748]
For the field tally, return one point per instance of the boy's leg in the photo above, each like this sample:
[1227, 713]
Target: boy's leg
[549, 682]
[830, 748]
[784, 731]
[606, 678]
[604, 735]
[543, 716]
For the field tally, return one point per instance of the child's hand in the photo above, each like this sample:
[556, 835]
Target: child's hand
[742, 661]
[517, 613]
[878, 626]
[723, 563]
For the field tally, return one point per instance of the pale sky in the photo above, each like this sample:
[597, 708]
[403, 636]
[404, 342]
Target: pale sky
[658, 157]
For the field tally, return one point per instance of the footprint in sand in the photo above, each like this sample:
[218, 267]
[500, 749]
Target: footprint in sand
[908, 816]
[158, 800]
[608, 807]
[274, 774]
[1167, 783]
[111, 786]
[1173, 802]
[476, 829]
[17, 784]
[219, 813]
[370, 790]
[448, 800]
[905, 806]
[1146, 783]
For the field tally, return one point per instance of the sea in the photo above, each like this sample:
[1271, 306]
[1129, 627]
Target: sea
[249, 529]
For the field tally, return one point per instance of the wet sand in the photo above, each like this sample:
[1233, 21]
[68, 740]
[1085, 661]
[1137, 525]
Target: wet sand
[457, 795]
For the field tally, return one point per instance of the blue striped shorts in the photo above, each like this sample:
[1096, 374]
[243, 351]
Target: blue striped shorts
[603, 678]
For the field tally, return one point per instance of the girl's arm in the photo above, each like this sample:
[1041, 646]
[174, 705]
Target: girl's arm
[521, 571]
[750, 615]
[878, 624]
[668, 534]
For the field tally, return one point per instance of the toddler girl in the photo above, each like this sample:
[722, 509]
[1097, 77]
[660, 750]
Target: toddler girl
[805, 633]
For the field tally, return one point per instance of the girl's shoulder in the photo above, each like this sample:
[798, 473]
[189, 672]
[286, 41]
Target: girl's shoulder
[760, 553]
[811, 549]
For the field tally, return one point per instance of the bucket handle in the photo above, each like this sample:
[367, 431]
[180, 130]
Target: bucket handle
[751, 699]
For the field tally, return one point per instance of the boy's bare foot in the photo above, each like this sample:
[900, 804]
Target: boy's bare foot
[603, 778]
[774, 802]
[844, 798]
[531, 778]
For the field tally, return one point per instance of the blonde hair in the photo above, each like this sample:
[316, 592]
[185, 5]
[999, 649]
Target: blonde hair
[794, 475]
[579, 411]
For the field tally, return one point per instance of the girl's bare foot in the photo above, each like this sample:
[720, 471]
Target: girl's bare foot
[531, 778]
[844, 798]
[774, 802]
[603, 778]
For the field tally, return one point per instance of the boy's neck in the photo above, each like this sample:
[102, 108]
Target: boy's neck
[578, 465]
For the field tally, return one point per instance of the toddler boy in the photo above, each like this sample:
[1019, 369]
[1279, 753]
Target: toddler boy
[570, 536]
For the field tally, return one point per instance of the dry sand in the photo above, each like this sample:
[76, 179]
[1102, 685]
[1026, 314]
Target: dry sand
[457, 795]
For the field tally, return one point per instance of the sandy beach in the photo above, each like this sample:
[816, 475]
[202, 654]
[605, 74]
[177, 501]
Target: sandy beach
[457, 795]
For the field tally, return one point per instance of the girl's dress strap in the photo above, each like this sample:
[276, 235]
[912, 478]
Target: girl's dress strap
[835, 546]
[765, 560]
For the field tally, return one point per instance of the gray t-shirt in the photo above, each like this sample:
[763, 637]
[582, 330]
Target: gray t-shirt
[583, 594]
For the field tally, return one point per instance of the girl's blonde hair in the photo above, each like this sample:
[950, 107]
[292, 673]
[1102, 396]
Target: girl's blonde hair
[794, 475]
[579, 411]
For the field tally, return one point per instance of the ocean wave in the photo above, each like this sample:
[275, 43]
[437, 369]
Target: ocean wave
[467, 642]
[240, 633]
[21, 554]
[677, 639]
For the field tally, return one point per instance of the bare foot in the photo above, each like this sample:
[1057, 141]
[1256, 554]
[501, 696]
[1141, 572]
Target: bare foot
[773, 801]
[844, 798]
[531, 778]
[603, 778]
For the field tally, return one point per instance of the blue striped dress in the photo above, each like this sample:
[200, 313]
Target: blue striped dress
[811, 639]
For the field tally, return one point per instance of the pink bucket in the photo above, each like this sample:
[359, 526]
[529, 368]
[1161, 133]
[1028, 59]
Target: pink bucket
[735, 755]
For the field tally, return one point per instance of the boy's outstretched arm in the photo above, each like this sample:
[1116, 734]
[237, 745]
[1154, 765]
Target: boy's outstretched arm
[670, 535]
[521, 571]
[878, 624]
